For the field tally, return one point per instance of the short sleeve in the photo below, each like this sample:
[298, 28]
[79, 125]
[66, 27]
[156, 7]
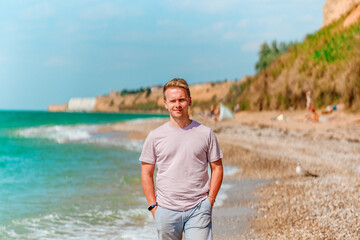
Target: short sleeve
[214, 151]
[148, 152]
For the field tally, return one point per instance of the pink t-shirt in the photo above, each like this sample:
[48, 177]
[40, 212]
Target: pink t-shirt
[181, 156]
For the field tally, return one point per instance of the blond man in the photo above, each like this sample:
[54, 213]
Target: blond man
[182, 149]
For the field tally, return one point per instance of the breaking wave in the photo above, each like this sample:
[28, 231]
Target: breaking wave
[63, 134]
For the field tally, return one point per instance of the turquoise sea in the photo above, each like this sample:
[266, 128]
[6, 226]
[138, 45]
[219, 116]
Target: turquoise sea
[62, 179]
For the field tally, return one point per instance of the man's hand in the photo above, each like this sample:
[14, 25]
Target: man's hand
[153, 211]
[211, 201]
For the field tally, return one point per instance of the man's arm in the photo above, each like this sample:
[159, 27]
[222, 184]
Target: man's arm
[216, 179]
[147, 181]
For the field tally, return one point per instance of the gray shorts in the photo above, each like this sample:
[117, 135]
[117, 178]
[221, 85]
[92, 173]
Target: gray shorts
[195, 222]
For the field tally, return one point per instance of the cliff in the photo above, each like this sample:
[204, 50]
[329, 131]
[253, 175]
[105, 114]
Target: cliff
[334, 9]
[130, 102]
[58, 107]
[202, 95]
[353, 17]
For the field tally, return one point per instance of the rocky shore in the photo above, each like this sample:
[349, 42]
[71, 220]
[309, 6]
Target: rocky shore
[268, 199]
[297, 206]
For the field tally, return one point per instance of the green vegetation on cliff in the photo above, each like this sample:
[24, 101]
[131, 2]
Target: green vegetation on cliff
[142, 107]
[268, 53]
[326, 62]
[125, 92]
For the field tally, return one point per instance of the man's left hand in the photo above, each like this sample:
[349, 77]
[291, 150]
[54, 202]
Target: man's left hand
[211, 201]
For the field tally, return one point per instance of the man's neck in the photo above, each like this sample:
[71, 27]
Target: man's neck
[180, 123]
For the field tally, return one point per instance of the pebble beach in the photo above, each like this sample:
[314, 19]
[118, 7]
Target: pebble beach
[267, 198]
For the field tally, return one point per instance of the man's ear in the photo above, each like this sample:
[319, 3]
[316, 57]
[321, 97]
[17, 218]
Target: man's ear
[165, 105]
[190, 102]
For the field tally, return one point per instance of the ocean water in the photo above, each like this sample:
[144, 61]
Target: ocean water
[62, 179]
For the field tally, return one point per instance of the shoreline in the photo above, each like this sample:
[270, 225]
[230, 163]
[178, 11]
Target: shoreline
[231, 219]
[289, 206]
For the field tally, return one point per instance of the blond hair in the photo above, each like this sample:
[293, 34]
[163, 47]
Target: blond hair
[176, 82]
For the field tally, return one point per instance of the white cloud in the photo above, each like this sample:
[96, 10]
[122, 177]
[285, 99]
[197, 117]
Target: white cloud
[208, 63]
[272, 21]
[9, 31]
[108, 10]
[230, 36]
[72, 28]
[263, 1]
[242, 23]
[227, 30]
[39, 11]
[8, 27]
[220, 25]
[251, 46]
[105, 10]
[214, 6]
[55, 62]
[167, 23]
[209, 6]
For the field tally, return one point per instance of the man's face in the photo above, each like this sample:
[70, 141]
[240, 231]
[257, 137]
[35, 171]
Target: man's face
[177, 102]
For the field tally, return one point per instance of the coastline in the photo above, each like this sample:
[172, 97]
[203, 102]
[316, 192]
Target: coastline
[231, 220]
[282, 204]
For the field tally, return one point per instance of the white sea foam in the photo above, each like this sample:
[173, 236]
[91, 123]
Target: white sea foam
[117, 140]
[81, 134]
[132, 224]
[85, 133]
[59, 133]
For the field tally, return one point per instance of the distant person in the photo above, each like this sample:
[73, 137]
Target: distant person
[211, 113]
[182, 149]
[308, 100]
[216, 113]
[237, 108]
[314, 117]
[328, 109]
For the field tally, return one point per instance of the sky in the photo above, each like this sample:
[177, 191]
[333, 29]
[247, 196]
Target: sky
[51, 51]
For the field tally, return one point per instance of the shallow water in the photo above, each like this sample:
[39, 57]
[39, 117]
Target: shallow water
[60, 179]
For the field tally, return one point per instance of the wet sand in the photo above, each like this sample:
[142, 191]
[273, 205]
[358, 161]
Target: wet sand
[268, 199]
[231, 220]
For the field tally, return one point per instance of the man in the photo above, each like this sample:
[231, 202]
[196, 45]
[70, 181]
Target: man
[182, 149]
